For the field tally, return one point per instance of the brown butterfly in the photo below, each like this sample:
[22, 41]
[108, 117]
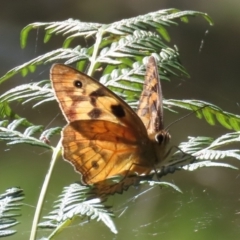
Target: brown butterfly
[104, 137]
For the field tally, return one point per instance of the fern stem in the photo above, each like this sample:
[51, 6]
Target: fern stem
[95, 51]
[60, 227]
[44, 190]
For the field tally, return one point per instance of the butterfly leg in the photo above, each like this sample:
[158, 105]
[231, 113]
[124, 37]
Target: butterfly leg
[174, 165]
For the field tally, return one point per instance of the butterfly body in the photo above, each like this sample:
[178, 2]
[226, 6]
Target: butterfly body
[104, 136]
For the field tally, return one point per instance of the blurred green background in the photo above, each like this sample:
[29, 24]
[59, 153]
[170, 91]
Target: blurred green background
[209, 206]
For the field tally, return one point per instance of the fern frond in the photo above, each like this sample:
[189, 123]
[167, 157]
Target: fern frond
[47, 134]
[72, 55]
[139, 43]
[7, 112]
[9, 201]
[209, 112]
[127, 82]
[9, 133]
[132, 27]
[63, 27]
[74, 202]
[80, 201]
[157, 20]
[205, 143]
[39, 91]
[197, 165]
[120, 47]
[203, 150]
[76, 28]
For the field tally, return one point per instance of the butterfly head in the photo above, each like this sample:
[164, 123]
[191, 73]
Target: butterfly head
[162, 137]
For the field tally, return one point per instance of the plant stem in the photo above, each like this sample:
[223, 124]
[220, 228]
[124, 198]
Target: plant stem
[95, 51]
[43, 191]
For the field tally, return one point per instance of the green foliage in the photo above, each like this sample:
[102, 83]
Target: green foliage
[39, 91]
[119, 40]
[118, 55]
[7, 112]
[9, 133]
[77, 201]
[209, 112]
[205, 150]
[9, 201]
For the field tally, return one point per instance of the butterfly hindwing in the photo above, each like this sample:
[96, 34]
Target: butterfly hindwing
[102, 149]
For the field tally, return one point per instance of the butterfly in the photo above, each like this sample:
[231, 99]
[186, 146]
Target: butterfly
[104, 137]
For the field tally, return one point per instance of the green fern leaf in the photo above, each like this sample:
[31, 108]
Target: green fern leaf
[210, 112]
[9, 201]
[64, 27]
[75, 54]
[73, 203]
[157, 20]
[9, 133]
[40, 91]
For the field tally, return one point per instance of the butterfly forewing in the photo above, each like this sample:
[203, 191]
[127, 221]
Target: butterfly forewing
[82, 97]
[150, 108]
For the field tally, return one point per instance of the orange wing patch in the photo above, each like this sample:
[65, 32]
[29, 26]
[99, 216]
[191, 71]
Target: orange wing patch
[101, 149]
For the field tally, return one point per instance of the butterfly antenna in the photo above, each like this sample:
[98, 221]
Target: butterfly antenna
[51, 121]
[181, 118]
